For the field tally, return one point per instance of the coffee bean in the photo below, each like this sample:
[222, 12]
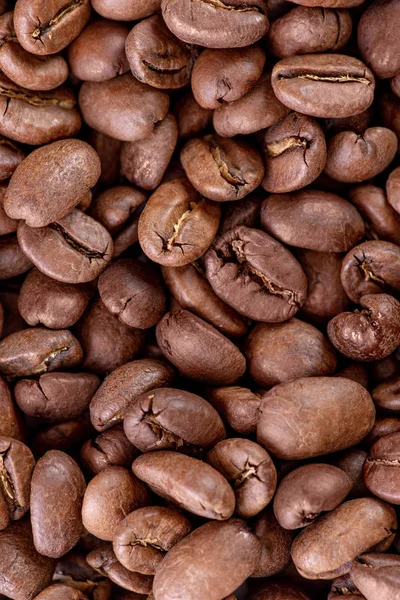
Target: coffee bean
[108, 150]
[192, 119]
[384, 426]
[10, 157]
[268, 590]
[377, 573]
[124, 10]
[381, 468]
[357, 123]
[16, 466]
[60, 590]
[66, 436]
[110, 448]
[356, 372]
[344, 586]
[393, 189]
[387, 395]
[239, 407]
[11, 424]
[381, 220]
[244, 213]
[13, 261]
[351, 461]
[275, 545]
[106, 563]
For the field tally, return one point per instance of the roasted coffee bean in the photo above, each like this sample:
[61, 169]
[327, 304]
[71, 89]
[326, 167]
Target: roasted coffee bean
[245, 269]
[276, 353]
[108, 150]
[61, 590]
[7, 225]
[38, 350]
[344, 586]
[123, 107]
[56, 305]
[370, 333]
[356, 372]
[144, 537]
[217, 23]
[13, 261]
[390, 112]
[186, 482]
[196, 563]
[244, 213]
[192, 119]
[117, 208]
[269, 590]
[106, 563]
[10, 157]
[222, 169]
[386, 396]
[166, 418]
[16, 466]
[126, 10]
[294, 153]
[239, 407]
[382, 221]
[213, 359]
[324, 85]
[110, 448]
[73, 570]
[381, 468]
[314, 416]
[50, 27]
[57, 493]
[11, 423]
[383, 426]
[357, 123]
[109, 497]
[51, 181]
[384, 369]
[393, 189]
[221, 76]
[304, 30]
[300, 219]
[56, 397]
[67, 436]
[351, 461]
[75, 249]
[377, 575]
[275, 545]
[326, 549]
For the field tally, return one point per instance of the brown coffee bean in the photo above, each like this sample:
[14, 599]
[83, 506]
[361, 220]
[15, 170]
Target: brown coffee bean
[66, 437]
[13, 261]
[357, 123]
[269, 590]
[381, 468]
[244, 213]
[351, 461]
[143, 538]
[7, 225]
[10, 157]
[377, 574]
[117, 207]
[192, 119]
[324, 85]
[16, 466]
[61, 590]
[390, 112]
[384, 426]
[382, 221]
[110, 448]
[314, 416]
[238, 406]
[393, 189]
[125, 10]
[275, 545]
[387, 395]
[106, 563]
[344, 586]
[356, 372]
[11, 424]
[326, 548]
[108, 150]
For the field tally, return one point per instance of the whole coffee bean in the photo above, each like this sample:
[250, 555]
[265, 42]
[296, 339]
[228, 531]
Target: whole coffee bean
[221, 76]
[275, 545]
[269, 590]
[384, 369]
[48, 28]
[16, 466]
[126, 10]
[276, 353]
[324, 85]
[56, 305]
[57, 493]
[108, 150]
[382, 221]
[369, 334]
[259, 108]
[143, 538]
[244, 213]
[249, 469]
[192, 119]
[301, 219]
[313, 416]
[95, 330]
[39, 350]
[238, 406]
[356, 372]
[110, 448]
[222, 169]
[10, 157]
[123, 107]
[326, 548]
[221, 25]
[75, 249]
[351, 461]
[66, 437]
[166, 418]
[384, 426]
[353, 158]
[390, 112]
[18, 555]
[13, 261]
[177, 225]
[117, 207]
[109, 497]
[11, 422]
[294, 153]
[61, 590]
[344, 586]
[304, 30]
[357, 123]
[298, 503]
[196, 563]
[7, 225]
[106, 563]
[393, 189]
[123, 386]
[98, 54]
[386, 395]
[326, 296]
[132, 290]
[186, 482]
[144, 162]
[377, 574]
[245, 269]
[198, 350]
[50, 182]
[381, 468]
[56, 396]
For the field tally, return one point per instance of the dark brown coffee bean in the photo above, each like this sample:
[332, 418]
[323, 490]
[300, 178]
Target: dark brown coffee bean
[387, 395]
[393, 189]
[356, 372]
[381, 468]
[109, 449]
[221, 76]
[166, 418]
[106, 563]
[276, 353]
[294, 153]
[196, 563]
[108, 150]
[269, 590]
[7, 225]
[351, 461]
[16, 466]
[56, 396]
[123, 107]
[244, 268]
[384, 369]
[390, 112]
[324, 85]
[377, 574]
[383, 426]
[109, 497]
[50, 27]
[186, 482]
[222, 169]
[11, 422]
[66, 437]
[275, 545]
[304, 30]
[326, 548]
[300, 219]
[56, 305]
[217, 25]
[123, 386]
[61, 590]
[192, 119]
[370, 333]
[38, 350]
[75, 249]
[357, 123]
[244, 213]
[239, 407]
[212, 359]
[314, 416]
[10, 157]
[95, 330]
[344, 586]
[51, 181]
[125, 10]
[117, 207]
[144, 537]
[382, 221]
[13, 261]
[57, 493]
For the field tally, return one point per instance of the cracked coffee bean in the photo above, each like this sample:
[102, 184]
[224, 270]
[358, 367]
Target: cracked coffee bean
[16, 466]
[381, 468]
[381, 220]
[377, 574]
[238, 406]
[106, 563]
[275, 545]
[109, 449]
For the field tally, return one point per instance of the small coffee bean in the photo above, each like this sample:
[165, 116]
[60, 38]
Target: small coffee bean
[13, 261]
[239, 407]
[393, 189]
[244, 213]
[61, 590]
[356, 372]
[381, 468]
[357, 123]
[125, 10]
[11, 424]
[382, 221]
[110, 448]
[192, 119]
[108, 150]
[16, 466]
[383, 426]
[268, 590]
[351, 461]
[10, 157]
[66, 437]
[377, 574]
[386, 395]
[275, 545]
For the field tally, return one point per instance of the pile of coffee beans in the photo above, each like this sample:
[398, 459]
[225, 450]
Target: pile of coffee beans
[199, 299]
